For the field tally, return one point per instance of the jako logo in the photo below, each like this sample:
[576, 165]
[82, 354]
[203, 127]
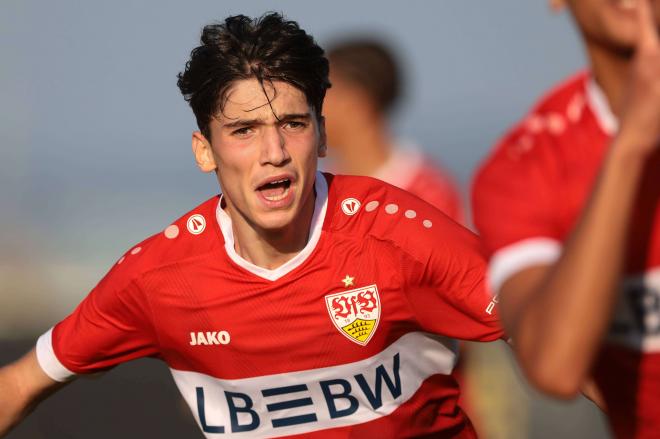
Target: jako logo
[209, 338]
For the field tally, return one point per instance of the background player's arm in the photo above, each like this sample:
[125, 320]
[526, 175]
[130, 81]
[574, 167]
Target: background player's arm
[23, 384]
[558, 314]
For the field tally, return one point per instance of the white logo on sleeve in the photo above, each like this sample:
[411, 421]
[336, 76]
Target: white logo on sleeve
[196, 224]
[494, 301]
[350, 206]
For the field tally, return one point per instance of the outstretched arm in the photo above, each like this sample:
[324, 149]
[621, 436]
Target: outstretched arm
[558, 314]
[23, 384]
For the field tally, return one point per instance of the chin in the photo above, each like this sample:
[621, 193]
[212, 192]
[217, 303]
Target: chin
[621, 30]
[617, 38]
[274, 221]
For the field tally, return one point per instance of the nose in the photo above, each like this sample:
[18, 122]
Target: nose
[273, 149]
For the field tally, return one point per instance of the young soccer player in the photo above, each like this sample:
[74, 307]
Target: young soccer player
[568, 207]
[295, 303]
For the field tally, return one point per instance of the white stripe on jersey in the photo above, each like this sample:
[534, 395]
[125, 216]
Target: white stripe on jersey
[311, 400]
[48, 360]
[601, 108]
[636, 321]
[513, 258]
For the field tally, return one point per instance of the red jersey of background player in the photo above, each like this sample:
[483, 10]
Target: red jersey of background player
[411, 170]
[527, 198]
[349, 338]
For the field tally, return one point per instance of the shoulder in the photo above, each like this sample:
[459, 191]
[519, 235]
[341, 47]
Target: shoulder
[415, 171]
[517, 193]
[366, 207]
[535, 144]
[192, 235]
[433, 183]
[430, 175]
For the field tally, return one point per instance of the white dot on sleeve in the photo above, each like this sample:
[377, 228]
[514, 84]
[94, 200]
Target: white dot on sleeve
[391, 208]
[556, 124]
[172, 231]
[535, 124]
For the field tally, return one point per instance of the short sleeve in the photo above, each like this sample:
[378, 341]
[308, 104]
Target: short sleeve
[514, 206]
[446, 284]
[441, 268]
[110, 326]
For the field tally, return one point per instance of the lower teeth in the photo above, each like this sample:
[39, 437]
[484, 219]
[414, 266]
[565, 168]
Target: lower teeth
[278, 197]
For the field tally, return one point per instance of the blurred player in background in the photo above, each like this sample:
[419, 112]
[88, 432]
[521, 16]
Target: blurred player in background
[569, 211]
[366, 85]
[296, 303]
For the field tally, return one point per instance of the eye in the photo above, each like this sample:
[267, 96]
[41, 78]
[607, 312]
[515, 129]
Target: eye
[295, 125]
[242, 132]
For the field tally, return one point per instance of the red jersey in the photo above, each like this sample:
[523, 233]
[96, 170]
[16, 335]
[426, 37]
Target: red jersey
[527, 198]
[411, 170]
[350, 338]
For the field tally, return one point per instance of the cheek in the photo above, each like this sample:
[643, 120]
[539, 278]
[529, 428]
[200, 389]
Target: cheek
[303, 141]
[234, 168]
[233, 154]
[304, 150]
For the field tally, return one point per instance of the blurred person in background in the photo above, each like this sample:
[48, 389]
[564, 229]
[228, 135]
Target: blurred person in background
[367, 83]
[295, 303]
[568, 207]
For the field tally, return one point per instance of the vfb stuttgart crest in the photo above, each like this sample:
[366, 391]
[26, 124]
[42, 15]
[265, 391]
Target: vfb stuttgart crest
[355, 313]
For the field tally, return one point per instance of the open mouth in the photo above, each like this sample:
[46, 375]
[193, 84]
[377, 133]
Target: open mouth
[275, 190]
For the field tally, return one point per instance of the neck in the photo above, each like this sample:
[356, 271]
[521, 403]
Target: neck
[610, 69]
[269, 248]
[365, 150]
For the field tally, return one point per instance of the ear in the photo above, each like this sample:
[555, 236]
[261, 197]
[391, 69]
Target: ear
[203, 153]
[557, 5]
[323, 138]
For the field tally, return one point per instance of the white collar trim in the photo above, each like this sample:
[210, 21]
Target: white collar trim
[601, 108]
[320, 207]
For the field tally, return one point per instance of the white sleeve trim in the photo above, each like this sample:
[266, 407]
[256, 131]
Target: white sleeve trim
[513, 258]
[49, 361]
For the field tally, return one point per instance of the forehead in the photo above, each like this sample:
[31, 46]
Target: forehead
[247, 98]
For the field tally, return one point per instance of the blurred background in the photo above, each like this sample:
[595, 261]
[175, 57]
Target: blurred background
[95, 156]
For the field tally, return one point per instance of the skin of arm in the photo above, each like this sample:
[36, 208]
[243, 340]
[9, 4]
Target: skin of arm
[558, 314]
[23, 384]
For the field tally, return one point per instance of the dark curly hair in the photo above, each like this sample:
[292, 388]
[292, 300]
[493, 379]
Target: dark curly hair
[269, 48]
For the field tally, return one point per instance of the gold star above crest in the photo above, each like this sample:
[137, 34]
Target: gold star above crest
[348, 281]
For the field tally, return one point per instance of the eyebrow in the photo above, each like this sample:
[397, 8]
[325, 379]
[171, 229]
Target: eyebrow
[249, 122]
